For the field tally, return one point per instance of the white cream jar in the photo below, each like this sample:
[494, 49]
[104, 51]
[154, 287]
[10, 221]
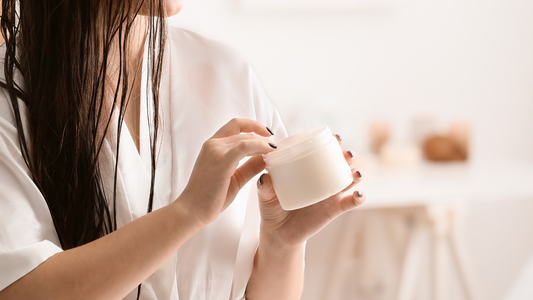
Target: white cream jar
[308, 167]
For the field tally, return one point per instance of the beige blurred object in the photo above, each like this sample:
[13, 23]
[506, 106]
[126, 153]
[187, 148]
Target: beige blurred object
[379, 135]
[440, 148]
[452, 146]
[460, 134]
[400, 154]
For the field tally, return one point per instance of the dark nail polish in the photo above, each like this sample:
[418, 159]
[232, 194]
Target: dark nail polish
[338, 136]
[261, 179]
[352, 154]
[270, 131]
[359, 194]
[360, 174]
[273, 145]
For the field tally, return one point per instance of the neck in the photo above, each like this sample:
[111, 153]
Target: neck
[134, 59]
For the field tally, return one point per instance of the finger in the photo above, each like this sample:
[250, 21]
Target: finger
[357, 177]
[265, 189]
[349, 155]
[249, 147]
[239, 137]
[352, 201]
[248, 170]
[238, 125]
[243, 174]
[338, 137]
[334, 206]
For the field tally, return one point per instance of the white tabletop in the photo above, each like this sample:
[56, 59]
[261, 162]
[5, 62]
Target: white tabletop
[426, 183]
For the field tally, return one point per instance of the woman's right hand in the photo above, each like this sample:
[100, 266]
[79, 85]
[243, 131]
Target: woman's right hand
[216, 178]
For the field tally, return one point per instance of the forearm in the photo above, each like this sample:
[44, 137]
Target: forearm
[277, 271]
[110, 267]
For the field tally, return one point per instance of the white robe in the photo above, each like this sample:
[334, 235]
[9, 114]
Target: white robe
[204, 85]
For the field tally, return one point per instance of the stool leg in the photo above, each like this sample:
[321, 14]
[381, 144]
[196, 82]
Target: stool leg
[460, 258]
[440, 228]
[411, 266]
[446, 220]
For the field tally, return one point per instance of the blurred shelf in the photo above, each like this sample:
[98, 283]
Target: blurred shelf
[433, 183]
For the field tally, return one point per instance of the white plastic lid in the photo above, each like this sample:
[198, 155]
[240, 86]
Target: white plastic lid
[298, 145]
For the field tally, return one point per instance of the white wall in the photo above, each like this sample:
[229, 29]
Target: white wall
[468, 59]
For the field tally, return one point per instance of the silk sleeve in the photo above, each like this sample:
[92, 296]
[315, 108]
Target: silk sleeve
[27, 234]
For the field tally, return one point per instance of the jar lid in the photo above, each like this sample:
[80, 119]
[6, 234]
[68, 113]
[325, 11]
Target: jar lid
[299, 145]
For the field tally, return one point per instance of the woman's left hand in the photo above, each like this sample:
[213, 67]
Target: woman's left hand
[293, 228]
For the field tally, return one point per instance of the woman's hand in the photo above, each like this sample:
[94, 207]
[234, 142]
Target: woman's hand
[293, 228]
[215, 179]
[278, 262]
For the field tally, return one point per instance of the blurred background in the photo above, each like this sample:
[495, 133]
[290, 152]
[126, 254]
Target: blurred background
[436, 99]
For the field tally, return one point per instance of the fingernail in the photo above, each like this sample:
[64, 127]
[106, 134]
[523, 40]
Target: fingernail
[338, 136]
[352, 154]
[270, 131]
[273, 145]
[360, 174]
[359, 194]
[261, 179]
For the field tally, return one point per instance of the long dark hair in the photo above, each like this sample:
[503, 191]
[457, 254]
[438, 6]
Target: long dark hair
[60, 51]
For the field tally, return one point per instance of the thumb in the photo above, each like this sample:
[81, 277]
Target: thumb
[265, 189]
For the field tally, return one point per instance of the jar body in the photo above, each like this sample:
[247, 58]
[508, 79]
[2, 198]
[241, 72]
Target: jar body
[314, 175]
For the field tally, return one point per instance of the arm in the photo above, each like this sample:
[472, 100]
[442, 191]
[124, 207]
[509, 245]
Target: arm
[110, 267]
[278, 263]
[278, 271]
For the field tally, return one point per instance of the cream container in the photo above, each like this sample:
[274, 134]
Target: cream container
[308, 167]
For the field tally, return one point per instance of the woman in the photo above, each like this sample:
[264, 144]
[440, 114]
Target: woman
[105, 115]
